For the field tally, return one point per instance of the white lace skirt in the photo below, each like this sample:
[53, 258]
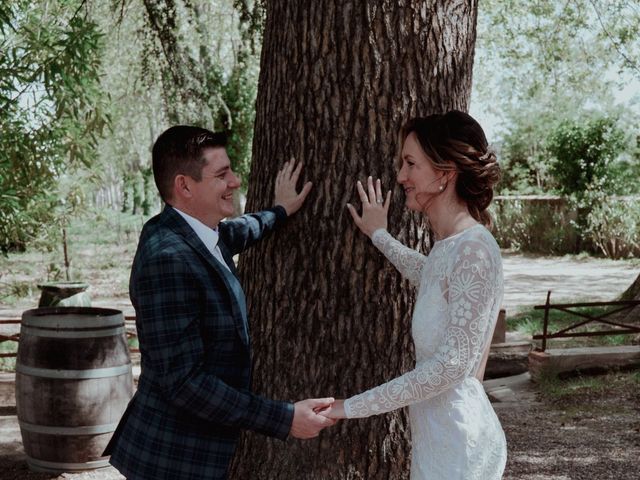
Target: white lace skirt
[457, 436]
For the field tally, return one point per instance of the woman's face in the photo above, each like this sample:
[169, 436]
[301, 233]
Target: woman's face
[421, 181]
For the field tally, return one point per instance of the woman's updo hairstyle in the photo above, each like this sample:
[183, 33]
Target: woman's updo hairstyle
[454, 141]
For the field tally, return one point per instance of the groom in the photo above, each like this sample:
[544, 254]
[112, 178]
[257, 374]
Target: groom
[194, 394]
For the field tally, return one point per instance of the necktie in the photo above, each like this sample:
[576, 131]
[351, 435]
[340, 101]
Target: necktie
[218, 254]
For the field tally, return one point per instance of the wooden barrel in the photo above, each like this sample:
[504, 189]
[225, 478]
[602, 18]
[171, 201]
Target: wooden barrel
[73, 383]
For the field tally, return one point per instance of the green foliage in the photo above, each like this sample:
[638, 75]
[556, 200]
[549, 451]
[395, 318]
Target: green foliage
[610, 226]
[51, 111]
[189, 62]
[583, 152]
[524, 160]
[147, 191]
[613, 225]
[540, 64]
[239, 94]
[538, 225]
[213, 87]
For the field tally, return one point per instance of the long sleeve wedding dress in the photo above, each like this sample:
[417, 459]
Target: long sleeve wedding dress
[454, 430]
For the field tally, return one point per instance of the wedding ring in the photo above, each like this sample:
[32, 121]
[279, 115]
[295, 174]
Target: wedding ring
[379, 200]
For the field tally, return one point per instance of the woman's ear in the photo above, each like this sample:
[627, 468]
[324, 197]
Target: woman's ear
[451, 175]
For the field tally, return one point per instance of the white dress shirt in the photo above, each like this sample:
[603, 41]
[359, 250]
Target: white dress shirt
[208, 235]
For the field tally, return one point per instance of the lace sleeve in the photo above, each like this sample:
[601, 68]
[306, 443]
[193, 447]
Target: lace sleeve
[408, 262]
[473, 291]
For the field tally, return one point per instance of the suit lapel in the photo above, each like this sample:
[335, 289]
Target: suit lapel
[238, 301]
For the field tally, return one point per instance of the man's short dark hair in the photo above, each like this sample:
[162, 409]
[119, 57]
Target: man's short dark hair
[178, 151]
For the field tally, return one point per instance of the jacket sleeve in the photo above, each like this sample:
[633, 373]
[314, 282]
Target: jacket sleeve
[168, 299]
[240, 233]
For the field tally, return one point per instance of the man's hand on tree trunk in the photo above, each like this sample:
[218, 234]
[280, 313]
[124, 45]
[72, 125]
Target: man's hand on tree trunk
[286, 194]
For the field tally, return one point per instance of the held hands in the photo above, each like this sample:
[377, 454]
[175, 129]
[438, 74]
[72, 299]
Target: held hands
[375, 207]
[307, 422]
[335, 411]
[285, 192]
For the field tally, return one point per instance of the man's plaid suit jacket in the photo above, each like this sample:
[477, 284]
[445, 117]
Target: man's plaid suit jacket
[193, 395]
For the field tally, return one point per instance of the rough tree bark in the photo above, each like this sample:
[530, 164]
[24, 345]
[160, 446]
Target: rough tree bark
[329, 316]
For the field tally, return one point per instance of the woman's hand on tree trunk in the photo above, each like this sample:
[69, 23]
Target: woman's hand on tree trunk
[375, 207]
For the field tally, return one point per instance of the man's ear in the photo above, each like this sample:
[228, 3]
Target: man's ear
[181, 187]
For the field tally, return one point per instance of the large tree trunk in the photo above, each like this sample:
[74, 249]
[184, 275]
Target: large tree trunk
[329, 315]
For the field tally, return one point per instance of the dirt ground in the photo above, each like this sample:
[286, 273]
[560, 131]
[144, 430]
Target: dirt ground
[588, 434]
[585, 434]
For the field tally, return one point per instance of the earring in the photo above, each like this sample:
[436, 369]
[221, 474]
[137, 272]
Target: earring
[441, 188]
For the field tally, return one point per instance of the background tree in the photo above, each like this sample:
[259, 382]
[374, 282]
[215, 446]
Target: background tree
[543, 64]
[52, 112]
[205, 55]
[329, 315]
[170, 62]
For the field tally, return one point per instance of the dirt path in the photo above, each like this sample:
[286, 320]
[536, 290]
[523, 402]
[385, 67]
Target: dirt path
[570, 278]
[527, 279]
[587, 435]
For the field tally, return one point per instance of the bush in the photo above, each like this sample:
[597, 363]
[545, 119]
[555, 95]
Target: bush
[535, 224]
[583, 152]
[550, 225]
[613, 226]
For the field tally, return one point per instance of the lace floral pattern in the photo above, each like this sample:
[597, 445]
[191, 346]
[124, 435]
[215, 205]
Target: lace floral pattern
[408, 262]
[460, 291]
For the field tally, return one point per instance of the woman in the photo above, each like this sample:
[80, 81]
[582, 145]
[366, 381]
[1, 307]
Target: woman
[448, 173]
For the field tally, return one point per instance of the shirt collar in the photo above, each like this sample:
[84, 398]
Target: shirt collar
[208, 235]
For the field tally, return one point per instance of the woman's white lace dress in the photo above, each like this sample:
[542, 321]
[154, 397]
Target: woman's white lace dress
[455, 432]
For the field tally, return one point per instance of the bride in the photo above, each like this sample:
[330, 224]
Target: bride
[447, 172]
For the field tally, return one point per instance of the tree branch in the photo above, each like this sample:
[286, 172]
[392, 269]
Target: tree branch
[616, 45]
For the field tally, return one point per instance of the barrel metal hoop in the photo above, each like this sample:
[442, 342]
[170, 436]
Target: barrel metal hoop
[72, 321]
[66, 467]
[84, 430]
[39, 332]
[74, 374]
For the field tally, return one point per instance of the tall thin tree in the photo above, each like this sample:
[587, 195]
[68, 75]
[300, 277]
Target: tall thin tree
[329, 316]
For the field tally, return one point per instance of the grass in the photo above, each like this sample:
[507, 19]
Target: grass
[552, 386]
[530, 321]
[101, 246]
[8, 364]
[565, 390]
[14, 290]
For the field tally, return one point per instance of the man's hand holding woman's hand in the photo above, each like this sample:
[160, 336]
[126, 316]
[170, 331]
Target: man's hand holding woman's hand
[375, 207]
[311, 416]
[335, 411]
[307, 422]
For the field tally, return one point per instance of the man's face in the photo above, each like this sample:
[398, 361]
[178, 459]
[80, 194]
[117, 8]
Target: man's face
[212, 196]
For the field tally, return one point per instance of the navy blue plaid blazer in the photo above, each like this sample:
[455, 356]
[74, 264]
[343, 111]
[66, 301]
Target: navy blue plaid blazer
[193, 395]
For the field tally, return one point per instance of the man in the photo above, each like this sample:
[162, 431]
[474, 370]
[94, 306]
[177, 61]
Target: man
[194, 395]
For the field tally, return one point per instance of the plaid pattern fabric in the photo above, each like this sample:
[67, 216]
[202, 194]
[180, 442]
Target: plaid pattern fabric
[194, 393]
